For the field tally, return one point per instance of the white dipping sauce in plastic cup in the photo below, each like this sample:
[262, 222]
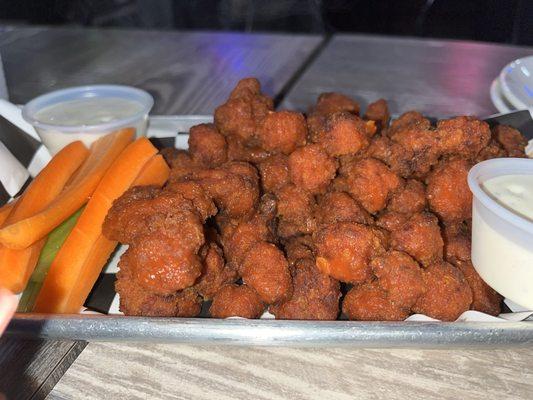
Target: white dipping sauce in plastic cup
[502, 240]
[87, 113]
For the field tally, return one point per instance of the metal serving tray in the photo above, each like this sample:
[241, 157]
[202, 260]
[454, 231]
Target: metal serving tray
[269, 332]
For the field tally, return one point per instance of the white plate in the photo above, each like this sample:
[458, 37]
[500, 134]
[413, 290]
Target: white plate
[501, 104]
[516, 81]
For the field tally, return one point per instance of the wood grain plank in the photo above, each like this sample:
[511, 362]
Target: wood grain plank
[30, 367]
[207, 372]
[436, 77]
[187, 72]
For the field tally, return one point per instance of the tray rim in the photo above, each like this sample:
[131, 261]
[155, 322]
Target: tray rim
[269, 332]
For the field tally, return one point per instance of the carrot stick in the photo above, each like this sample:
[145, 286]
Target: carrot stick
[5, 210]
[67, 267]
[16, 265]
[22, 233]
[155, 172]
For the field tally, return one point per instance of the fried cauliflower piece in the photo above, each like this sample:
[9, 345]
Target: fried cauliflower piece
[369, 181]
[193, 192]
[246, 152]
[295, 211]
[484, 298]
[298, 248]
[215, 273]
[274, 172]
[409, 199]
[341, 134]
[282, 131]
[400, 276]
[137, 301]
[239, 236]
[311, 169]
[511, 140]
[315, 295]
[391, 220]
[447, 191]
[266, 269]
[236, 301]
[419, 237]
[161, 264]
[244, 111]
[448, 294]
[329, 103]
[369, 302]
[233, 186]
[456, 242]
[409, 119]
[340, 207]
[462, 136]
[345, 249]
[378, 111]
[207, 146]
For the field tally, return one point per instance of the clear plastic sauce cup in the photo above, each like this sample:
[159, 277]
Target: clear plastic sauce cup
[86, 113]
[502, 240]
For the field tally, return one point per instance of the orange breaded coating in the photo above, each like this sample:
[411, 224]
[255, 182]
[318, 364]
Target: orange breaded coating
[215, 274]
[181, 164]
[447, 191]
[194, 192]
[369, 302]
[299, 247]
[342, 133]
[329, 103]
[400, 276]
[207, 146]
[410, 198]
[448, 294]
[161, 264]
[236, 301]
[462, 136]
[408, 119]
[311, 169]
[137, 301]
[233, 186]
[315, 295]
[274, 172]
[420, 238]
[492, 150]
[456, 242]
[391, 221]
[485, 299]
[244, 111]
[511, 140]
[345, 249]
[340, 207]
[239, 151]
[239, 237]
[370, 182]
[125, 219]
[282, 131]
[266, 269]
[295, 211]
[378, 111]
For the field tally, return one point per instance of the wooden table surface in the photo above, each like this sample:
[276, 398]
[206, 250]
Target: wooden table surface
[436, 77]
[362, 66]
[185, 72]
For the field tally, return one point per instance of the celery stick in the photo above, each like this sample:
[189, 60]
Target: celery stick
[53, 243]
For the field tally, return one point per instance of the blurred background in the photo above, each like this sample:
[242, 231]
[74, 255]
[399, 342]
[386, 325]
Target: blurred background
[504, 21]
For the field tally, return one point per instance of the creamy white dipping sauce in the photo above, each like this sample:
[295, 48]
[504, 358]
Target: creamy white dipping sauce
[502, 255]
[514, 192]
[88, 111]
